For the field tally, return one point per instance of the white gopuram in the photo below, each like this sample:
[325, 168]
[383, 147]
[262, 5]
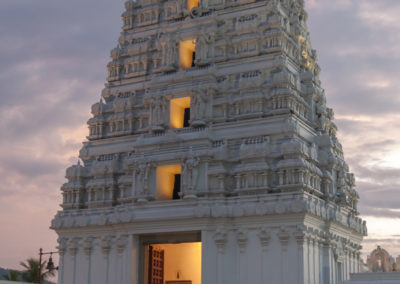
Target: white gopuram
[212, 157]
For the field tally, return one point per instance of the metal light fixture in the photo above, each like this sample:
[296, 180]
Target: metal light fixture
[50, 264]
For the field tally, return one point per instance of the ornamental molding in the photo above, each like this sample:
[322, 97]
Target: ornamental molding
[87, 245]
[106, 244]
[281, 205]
[264, 235]
[242, 239]
[221, 238]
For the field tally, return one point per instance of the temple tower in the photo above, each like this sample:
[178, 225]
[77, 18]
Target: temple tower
[211, 156]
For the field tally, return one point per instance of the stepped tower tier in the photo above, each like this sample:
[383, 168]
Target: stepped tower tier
[211, 157]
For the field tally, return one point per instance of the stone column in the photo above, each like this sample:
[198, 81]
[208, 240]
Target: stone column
[302, 262]
[242, 262]
[62, 248]
[315, 261]
[310, 254]
[220, 238]
[87, 249]
[73, 250]
[264, 237]
[327, 263]
[121, 245]
[320, 261]
[284, 237]
[106, 248]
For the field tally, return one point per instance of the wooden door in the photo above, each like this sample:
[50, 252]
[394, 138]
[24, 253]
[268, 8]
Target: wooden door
[156, 266]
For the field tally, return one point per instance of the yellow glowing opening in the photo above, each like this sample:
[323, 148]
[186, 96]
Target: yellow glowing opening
[177, 111]
[302, 38]
[165, 181]
[304, 54]
[192, 3]
[182, 262]
[186, 50]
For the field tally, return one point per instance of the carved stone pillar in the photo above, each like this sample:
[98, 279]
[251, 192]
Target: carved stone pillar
[62, 249]
[242, 263]
[73, 250]
[284, 238]
[121, 244]
[265, 237]
[105, 244]
[87, 245]
[302, 262]
[220, 239]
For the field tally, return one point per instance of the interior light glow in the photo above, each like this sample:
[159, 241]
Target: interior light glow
[182, 261]
[192, 3]
[177, 111]
[165, 181]
[186, 50]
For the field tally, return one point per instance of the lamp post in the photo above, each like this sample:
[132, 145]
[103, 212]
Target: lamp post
[50, 264]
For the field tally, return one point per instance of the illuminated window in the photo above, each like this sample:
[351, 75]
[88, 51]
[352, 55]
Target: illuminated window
[173, 263]
[179, 110]
[192, 3]
[168, 182]
[187, 53]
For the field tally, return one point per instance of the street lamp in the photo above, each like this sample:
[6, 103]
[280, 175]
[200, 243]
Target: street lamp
[50, 264]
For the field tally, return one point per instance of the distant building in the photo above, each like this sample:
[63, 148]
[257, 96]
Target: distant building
[381, 261]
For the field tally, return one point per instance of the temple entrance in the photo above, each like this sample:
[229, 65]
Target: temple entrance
[172, 263]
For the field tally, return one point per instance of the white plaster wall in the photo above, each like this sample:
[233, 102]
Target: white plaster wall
[82, 264]
[99, 267]
[257, 250]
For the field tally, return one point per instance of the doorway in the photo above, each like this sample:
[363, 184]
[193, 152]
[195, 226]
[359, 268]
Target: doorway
[172, 259]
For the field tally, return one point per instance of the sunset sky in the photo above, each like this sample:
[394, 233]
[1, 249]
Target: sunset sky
[53, 57]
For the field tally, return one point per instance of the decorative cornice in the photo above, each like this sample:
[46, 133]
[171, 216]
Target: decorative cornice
[121, 243]
[221, 238]
[87, 245]
[242, 239]
[105, 244]
[265, 236]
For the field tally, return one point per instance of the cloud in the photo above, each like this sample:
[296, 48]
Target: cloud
[357, 43]
[53, 66]
[358, 54]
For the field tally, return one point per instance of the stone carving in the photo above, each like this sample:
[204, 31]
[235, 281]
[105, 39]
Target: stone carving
[141, 177]
[242, 238]
[220, 238]
[204, 47]
[73, 246]
[190, 173]
[62, 245]
[121, 243]
[265, 236]
[283, 237]
[105, 244]
[339, 252]
[199, 105]
[87, 245]
[169, 52]
[157, 114]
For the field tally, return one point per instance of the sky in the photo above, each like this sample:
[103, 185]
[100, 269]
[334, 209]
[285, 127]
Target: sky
[53, 57]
